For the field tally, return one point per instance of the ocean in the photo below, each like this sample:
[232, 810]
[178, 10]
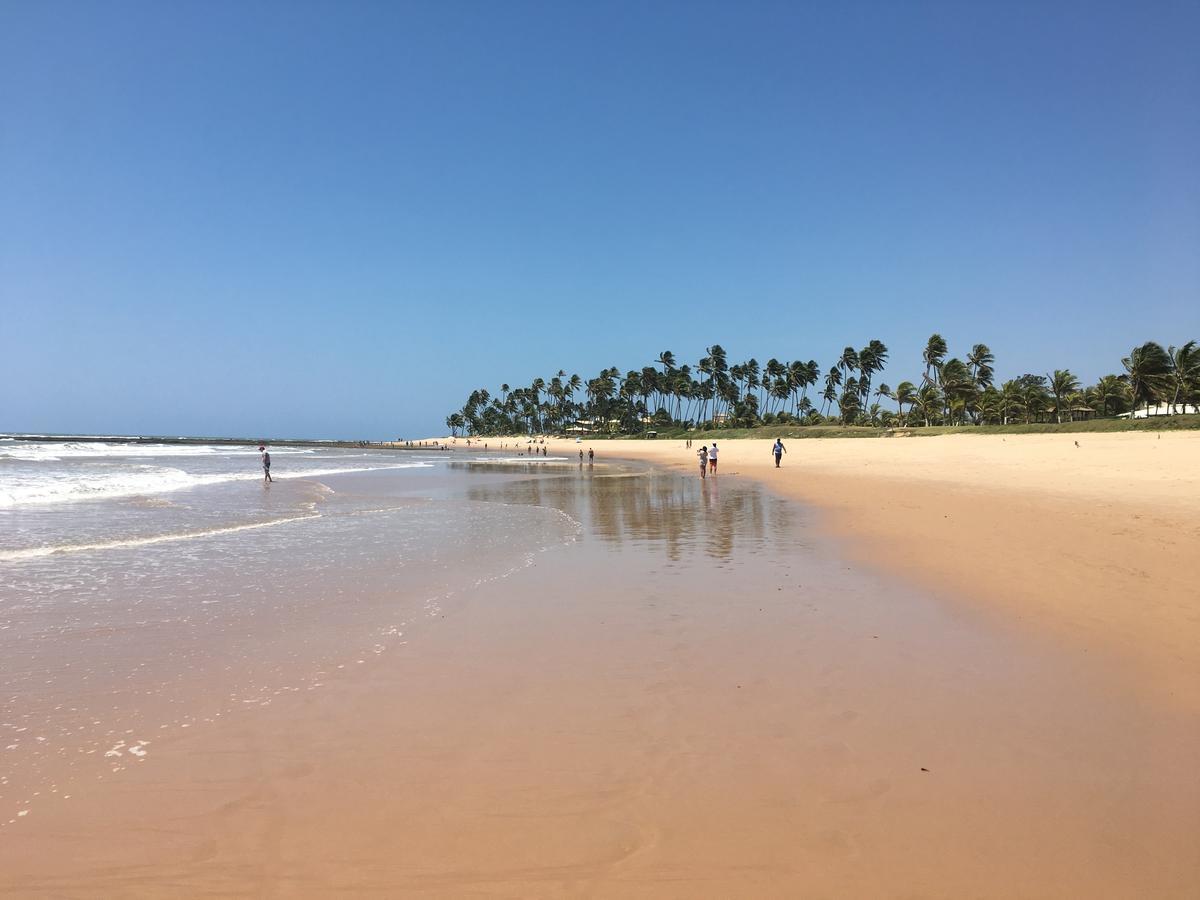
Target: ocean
[147, 588]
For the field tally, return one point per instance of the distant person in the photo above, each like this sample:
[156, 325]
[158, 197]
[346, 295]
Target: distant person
[581, 456]
[266, 463]
[591, 456]
[712, 459]
[778, 450]
[703, 454]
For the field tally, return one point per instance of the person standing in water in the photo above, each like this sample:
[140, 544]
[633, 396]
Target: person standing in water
[712, 458]
[591, 456]
[778, 450]
[703, 454]
[266, 463]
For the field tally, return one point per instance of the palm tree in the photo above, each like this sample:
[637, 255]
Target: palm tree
[704, 367]
[720, 368]
[934, 353]
[648, 385]
[772, 371]
[1109, 387]
[980, 360]
[737, 374]
[1062, 383]
[905, 393]
[958, 387]
[681, 387]
[1185, 373]
[631, 386]
[753, 374]
[990, 406]
[666, 359]
[812, 373]
[848, 404]
[1010, 400]
[794, 376]
[829, 395]
[1034, 397]
[781, 390]
[871, 359]
[833, 380]
[573, 385]
[848, 361]
[1148, 373]
[927, 401]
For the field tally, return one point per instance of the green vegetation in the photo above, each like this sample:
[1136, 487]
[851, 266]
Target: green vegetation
[795, 430]
[953, 394]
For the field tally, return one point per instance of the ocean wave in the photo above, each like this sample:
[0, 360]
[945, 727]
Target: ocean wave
[150, 480]
[57, 451]
[50, 550]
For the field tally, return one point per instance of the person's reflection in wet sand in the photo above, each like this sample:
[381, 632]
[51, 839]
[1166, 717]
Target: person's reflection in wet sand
[656, 507]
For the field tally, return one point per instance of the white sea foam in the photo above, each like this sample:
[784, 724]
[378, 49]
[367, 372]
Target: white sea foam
[73, 486]
[57, 451]
[37, 552]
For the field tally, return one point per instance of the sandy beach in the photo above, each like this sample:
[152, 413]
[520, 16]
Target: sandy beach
[906, 668]
[1084, 537]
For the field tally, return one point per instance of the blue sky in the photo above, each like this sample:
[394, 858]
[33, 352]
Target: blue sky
[336, 219]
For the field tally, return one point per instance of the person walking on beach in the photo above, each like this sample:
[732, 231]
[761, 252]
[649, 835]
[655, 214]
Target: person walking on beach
[581, 456]
[591, 456]
[712, 459]
[703, 454]
[778, 450]
[266, 461]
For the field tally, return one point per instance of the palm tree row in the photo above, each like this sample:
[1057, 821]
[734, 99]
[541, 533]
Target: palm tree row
[714, 393]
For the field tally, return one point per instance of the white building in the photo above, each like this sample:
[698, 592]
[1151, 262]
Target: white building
[1162, 409]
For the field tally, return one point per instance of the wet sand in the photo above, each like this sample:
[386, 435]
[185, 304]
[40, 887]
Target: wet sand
[1088, 544]
[699, 698]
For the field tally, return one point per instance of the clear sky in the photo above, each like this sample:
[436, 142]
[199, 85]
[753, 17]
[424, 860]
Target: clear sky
[337, 218]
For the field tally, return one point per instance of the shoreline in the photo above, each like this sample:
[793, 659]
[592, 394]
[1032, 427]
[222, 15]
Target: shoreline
[1083, 538]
